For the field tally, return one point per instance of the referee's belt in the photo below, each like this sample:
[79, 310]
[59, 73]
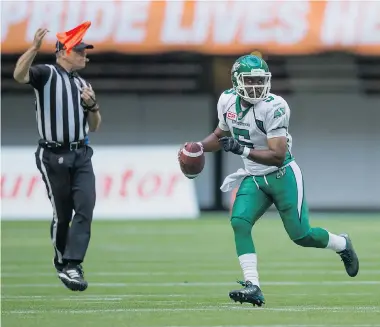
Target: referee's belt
[71, 146]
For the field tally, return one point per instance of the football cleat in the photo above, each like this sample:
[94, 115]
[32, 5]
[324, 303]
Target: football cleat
[349, 257]
[250, 294]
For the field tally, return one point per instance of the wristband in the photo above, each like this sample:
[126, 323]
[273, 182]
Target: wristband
[91, 107]
[246, 152]
[87, 107]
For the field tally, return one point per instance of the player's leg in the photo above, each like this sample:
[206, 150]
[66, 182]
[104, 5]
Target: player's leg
[289, 198]
[250, 204]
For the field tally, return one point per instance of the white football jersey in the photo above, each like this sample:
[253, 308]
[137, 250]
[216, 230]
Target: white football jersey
[252, 126]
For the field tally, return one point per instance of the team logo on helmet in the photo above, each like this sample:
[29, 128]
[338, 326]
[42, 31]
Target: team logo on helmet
[235, 67]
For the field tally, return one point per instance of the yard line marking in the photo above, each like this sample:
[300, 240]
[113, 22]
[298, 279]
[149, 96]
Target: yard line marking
[204, 308]
[283, 264]
[94, 296]
[152, 297]
[290, 325]
[197, 273]
[195, 284]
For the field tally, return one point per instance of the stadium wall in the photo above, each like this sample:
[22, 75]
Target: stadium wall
[335, 139]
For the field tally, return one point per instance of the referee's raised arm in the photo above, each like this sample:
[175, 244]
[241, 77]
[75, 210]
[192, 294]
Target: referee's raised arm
[21, 72]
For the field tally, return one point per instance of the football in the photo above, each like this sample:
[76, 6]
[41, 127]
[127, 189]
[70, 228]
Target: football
[191, 160]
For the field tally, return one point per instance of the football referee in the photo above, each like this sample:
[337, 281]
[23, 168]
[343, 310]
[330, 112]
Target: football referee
[66, 109]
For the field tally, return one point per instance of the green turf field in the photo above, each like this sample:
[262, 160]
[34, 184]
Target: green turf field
[179, 273]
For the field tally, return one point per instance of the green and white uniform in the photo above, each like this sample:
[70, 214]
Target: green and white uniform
[254, 125]
[262, 185]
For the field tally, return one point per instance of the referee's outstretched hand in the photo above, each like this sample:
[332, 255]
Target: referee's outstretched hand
[38, 37]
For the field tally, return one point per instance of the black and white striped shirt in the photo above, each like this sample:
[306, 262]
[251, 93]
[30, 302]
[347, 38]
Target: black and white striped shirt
[59, 113]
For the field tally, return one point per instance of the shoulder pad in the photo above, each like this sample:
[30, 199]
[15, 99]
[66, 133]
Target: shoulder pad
[227, 95]
[274, 101]
[229, 91]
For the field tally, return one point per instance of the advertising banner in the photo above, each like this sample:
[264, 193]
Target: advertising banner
[212, 27]
[131, 183]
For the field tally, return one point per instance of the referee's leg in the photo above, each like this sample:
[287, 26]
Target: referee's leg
[55, 175]
[84, 196]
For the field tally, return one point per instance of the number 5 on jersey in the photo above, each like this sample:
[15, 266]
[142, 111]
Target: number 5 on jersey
[240, 134]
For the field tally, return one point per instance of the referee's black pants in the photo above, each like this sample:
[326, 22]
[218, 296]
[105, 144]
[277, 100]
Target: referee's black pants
[70, 183]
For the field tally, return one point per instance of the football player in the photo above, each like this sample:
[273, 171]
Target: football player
[254, 124]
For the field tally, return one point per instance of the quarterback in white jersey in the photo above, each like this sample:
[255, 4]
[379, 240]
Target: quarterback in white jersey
[254, 124]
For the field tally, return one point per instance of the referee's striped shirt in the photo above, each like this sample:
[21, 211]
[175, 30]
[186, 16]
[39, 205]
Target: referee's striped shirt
[59, 113]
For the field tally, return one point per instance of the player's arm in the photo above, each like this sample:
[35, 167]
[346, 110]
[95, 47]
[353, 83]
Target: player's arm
[276, 126]
[274, 156]
[211, 142]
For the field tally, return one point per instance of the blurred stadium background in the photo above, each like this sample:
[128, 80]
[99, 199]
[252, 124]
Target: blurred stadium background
[158, 69]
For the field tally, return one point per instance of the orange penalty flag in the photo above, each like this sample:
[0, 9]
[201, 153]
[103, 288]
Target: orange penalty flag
[73, 37]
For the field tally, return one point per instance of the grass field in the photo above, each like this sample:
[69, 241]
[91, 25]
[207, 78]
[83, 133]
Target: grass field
[179, 273]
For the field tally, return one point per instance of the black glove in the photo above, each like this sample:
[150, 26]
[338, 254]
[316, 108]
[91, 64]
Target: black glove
[231, 144]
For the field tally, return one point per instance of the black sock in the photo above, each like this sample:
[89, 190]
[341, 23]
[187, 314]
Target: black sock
[73, 263]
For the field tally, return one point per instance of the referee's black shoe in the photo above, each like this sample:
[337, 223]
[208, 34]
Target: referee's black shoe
[73, 278]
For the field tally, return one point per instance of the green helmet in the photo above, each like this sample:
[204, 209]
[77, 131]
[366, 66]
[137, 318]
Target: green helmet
[251, 78]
